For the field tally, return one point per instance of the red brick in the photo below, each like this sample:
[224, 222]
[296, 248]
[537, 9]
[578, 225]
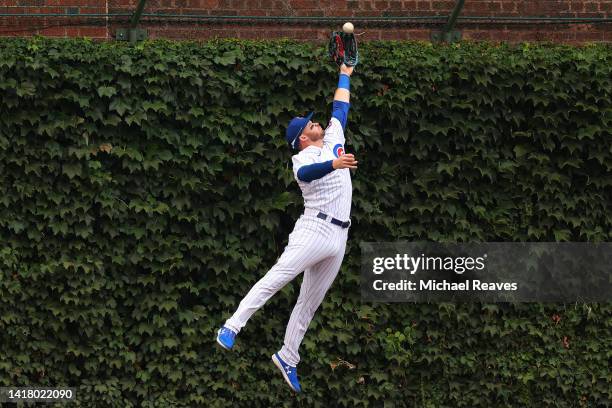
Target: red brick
[313, 13]
[443, 5]
[303, 4]
[381, 5]
[511, 36]
[367, 5]
[53, 31]
[338, 4]
[471, 7]
[476, 35]
[339, 13]
[249, 34]
[568, 33]
[92, 10]
[562, 36]
[495, 7]
[224, 12]
[305, 34]
[423, 5]
[577, 6]
[117, 3]
[99, 32]
[195, 4]
[528, 8]
[368, 14]
[590, 37]
[392, 35]
[558, 6]
[72, 31]
[508, 6]
[237, 4]
[14, 33]
[420, 34]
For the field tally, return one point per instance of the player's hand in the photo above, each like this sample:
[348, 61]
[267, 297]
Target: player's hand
[346, 70]
[346, 161]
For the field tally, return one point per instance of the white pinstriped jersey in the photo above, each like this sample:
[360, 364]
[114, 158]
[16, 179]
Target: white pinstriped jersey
[332, 193]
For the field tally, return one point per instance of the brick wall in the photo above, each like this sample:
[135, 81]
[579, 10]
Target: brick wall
[103, 27]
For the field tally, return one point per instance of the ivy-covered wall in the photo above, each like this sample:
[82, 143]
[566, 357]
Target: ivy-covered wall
[144, 189]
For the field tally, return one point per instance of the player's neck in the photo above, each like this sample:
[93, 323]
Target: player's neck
[318, 143]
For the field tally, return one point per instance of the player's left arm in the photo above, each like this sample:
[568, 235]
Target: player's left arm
[342, 96]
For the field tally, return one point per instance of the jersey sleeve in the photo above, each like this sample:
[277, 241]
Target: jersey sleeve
[302, 159]
[334, 134]
[340, 111]
[315, 171]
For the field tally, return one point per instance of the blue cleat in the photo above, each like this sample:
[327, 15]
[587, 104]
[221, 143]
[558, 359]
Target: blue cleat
[226, 337]
[289, 373]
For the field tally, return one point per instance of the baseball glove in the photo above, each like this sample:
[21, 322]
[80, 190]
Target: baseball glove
[343, 48]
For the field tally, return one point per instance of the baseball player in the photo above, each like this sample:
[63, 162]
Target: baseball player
[318, 241]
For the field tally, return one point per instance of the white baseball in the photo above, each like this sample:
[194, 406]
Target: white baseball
[348, 28]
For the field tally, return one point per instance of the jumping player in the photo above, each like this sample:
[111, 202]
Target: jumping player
[318, 241]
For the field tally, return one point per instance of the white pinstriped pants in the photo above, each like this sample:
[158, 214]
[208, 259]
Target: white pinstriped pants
[316, 247]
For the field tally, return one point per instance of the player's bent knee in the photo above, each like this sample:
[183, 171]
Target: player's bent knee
[277, 278]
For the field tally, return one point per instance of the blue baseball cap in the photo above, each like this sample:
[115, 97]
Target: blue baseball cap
[295, 129]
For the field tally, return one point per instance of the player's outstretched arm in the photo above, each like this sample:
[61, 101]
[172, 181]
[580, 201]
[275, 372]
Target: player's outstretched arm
[343, 93]
[342, 96]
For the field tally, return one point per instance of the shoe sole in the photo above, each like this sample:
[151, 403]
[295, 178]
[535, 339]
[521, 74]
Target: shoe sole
[280, 367]
[221, 344]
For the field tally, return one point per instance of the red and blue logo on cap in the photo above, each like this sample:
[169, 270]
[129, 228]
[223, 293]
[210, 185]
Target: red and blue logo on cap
[338, 150]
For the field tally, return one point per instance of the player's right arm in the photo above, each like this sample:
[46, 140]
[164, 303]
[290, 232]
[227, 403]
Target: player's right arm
[342, 96]
[307, 169]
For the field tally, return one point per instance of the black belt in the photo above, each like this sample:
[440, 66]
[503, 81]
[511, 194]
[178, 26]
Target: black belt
[333, 220]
